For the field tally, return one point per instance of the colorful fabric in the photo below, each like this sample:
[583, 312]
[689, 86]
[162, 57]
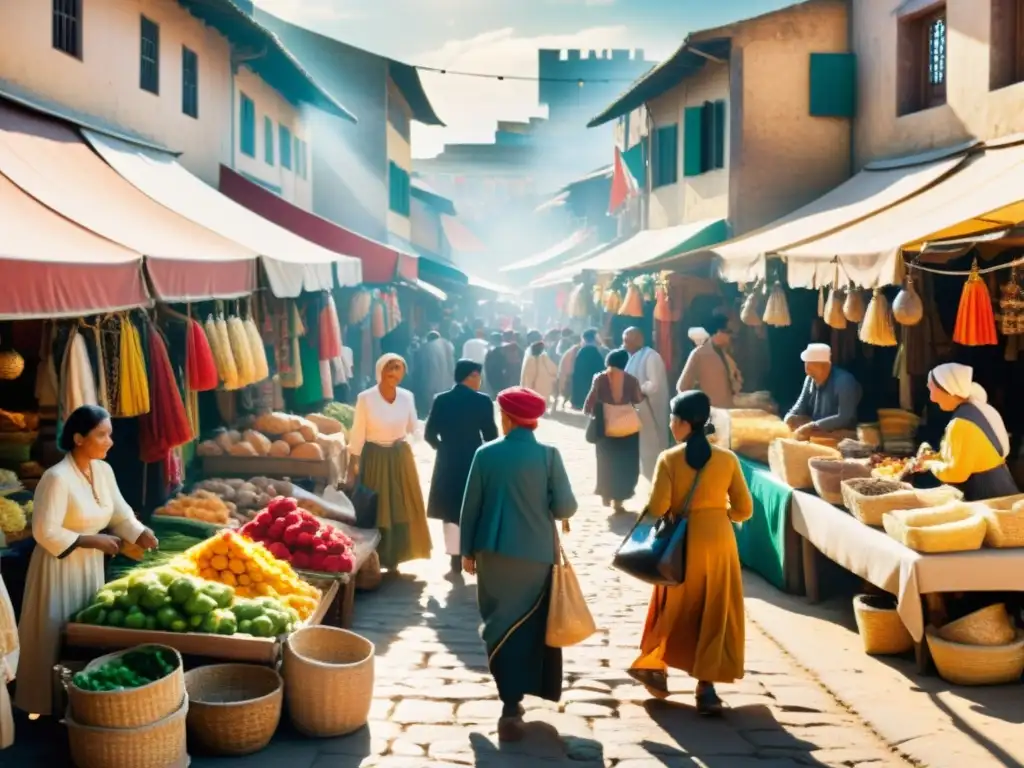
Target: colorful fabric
[202, 368]
[167, 425]
[762, 539]
[401, 516]
[133, 387]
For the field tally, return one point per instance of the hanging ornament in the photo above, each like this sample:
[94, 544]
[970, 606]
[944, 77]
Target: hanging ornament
[877, 329]
[751, 312]
[853, 307]
[907, 307]
[975, 321]
[1011, 305]
[776, 313]
[663, 305]
[834, 317]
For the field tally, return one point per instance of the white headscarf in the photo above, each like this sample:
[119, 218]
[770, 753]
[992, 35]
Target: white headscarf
[383, 361]
[958, 380]
[698, 335]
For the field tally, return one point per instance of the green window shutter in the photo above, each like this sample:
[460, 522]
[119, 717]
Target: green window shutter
[666, 150]
[268, 141]
[693, 141]
[719, 136]
[833, 90]
[247, 127]
[399, 190]
[284, 141]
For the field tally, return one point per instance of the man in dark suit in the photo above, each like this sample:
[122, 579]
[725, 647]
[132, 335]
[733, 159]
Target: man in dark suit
[460, 421]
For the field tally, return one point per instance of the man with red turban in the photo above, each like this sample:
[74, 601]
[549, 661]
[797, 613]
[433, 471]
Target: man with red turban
[517, 489]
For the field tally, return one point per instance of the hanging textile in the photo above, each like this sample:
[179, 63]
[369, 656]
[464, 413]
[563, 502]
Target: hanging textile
[261, 368]
[134, 394]
[77, 381]
[330, 331]
[47, 389]
[241, 351]
[199, 360]
[166, 426]
[110, 342]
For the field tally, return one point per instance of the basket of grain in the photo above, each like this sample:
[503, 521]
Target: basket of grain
[157, 745]
[1005, 519]
[234, 708]
[788, 460]
[751, 431]
[952, 527]
[130, 707]
[868, 499]
[328, 680]
[963, 664]
[989, 626]
[827, 475]
[880, 627]
[896, 423]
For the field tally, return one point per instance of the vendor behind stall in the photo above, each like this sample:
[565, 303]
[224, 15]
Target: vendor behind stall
[974, 448]
[828, 401]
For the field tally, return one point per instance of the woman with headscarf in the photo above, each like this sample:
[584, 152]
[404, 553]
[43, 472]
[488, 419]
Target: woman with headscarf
[517, 489]
[612, 401]
[698, 626]
[972, 455]
[76, 502]
[540, 372]
[460, 421]
[382, 460]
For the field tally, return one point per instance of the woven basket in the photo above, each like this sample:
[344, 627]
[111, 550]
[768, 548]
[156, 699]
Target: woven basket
[881, 629]
[962, 664]
[964, 535]
[990, 626]
[828, 475]
[1005, 518]
[130, 708]
[158, 745]
[871, 509]
[234, 709]
[328, 680]
[869, 434]
[896, 423]
[368, 577]
[788, 461]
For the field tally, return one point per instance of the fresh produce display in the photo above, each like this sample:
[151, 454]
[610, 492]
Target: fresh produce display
[300, 538]
[7, 478]
[233, 560]
[200, 505]
[246, 496]
[168, 600]
[889, 468]
[12, 516]
[341, 412]
[133, 669]
[275, 435]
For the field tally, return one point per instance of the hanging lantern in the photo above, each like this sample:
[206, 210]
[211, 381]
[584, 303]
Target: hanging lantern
[907, 307]
[12, 364]
[1011, 306]
[975, 321]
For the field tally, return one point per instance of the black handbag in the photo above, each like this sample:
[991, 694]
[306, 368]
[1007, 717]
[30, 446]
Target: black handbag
[654, 551]
[365, 503]
[595, 427]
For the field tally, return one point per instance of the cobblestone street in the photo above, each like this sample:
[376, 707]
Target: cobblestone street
[436, 706]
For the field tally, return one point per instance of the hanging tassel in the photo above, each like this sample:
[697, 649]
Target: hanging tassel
[821, 301]
[776, 314]
[975, 321]
[877, 327]
[834, 317]
[750, 314]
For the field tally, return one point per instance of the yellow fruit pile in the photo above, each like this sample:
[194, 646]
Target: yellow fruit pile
[231, 559]
[12, 516]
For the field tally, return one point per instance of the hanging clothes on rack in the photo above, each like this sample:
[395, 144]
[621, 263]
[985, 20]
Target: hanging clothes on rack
[166, 426]
[77, 380]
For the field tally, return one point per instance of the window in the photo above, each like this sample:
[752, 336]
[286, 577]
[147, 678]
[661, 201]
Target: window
[268, 141]
[1006, 48]
[149, 69]
[666, 156]
[67, 27]
[921, 52]
[399, 190]
[704, 138]
[247, 125]
[189, 82]
[284, 139]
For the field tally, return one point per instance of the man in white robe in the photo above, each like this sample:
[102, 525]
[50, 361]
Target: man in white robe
[649, 369]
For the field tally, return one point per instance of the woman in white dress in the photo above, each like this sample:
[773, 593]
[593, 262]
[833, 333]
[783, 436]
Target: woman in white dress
[8, 664]
[540, 372]
[382, 460]
[75, 502]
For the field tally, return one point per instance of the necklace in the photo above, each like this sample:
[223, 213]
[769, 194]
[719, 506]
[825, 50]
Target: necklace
[87, 476]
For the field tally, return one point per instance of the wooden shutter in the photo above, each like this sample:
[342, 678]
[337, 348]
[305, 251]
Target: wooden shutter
[693, 141]
[666, 155]
[833, 85]
[719, 135]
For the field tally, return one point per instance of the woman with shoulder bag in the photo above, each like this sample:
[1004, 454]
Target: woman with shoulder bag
[697, 626]
[615, 429]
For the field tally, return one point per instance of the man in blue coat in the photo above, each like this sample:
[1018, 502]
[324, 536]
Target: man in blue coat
[460, 421]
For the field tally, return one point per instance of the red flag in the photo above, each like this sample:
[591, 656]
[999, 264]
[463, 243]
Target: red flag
[624, 185]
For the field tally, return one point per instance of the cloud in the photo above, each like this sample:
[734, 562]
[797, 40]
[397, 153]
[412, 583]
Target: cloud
[309, 11]
[471, 107]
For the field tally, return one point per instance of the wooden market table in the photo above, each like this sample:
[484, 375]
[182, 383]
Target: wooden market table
[917, 580]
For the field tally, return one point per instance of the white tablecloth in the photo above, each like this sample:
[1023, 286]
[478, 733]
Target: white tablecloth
[884, 562]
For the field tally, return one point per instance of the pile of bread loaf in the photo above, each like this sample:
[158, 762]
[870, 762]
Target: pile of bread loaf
[279, 435]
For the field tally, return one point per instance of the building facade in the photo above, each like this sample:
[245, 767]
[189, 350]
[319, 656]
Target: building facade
[934, 73]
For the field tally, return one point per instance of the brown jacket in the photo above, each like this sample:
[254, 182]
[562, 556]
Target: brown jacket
[707, 371]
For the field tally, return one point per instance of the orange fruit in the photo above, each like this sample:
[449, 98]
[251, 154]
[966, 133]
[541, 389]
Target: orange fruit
[219, 563]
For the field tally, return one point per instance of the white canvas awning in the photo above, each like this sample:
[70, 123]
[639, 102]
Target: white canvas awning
[984, 194]
[877, 187]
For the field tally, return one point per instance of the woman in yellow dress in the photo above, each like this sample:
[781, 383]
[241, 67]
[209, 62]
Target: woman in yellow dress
[698, 626]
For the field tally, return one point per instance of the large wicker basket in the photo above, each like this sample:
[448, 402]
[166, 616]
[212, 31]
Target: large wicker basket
[234, 709]
[990, 626]
[881, 629]
[158, 745]
[964, 535]
[368, 578]
[328, 680]
[1005, 518]
[962, 664]
[870, 509]
[788, 460]
[132, 707]
[828, 475]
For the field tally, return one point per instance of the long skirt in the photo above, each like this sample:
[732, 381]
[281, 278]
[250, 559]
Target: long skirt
[618, 467]
[513, 596]
[54, 590]
[698, 626]
[390, 471]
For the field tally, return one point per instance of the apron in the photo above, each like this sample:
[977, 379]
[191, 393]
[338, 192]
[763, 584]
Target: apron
[996, 482]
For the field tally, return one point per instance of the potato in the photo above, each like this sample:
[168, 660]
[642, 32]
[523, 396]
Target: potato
[262, 501]
[234, 482]
[246, 500]
[209, 448]
[249, 488]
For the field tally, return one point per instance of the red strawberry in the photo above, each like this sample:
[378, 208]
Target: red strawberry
[317, 561]
[305, 541]
[280, 551]
[292, 518]
[332, 564]
[264, 518]
[301, 560]
[348, 562]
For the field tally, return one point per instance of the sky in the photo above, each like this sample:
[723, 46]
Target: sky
[502, 37]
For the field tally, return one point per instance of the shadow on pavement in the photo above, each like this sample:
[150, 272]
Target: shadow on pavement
[621, 523]
[541, 743]
[381, 614]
